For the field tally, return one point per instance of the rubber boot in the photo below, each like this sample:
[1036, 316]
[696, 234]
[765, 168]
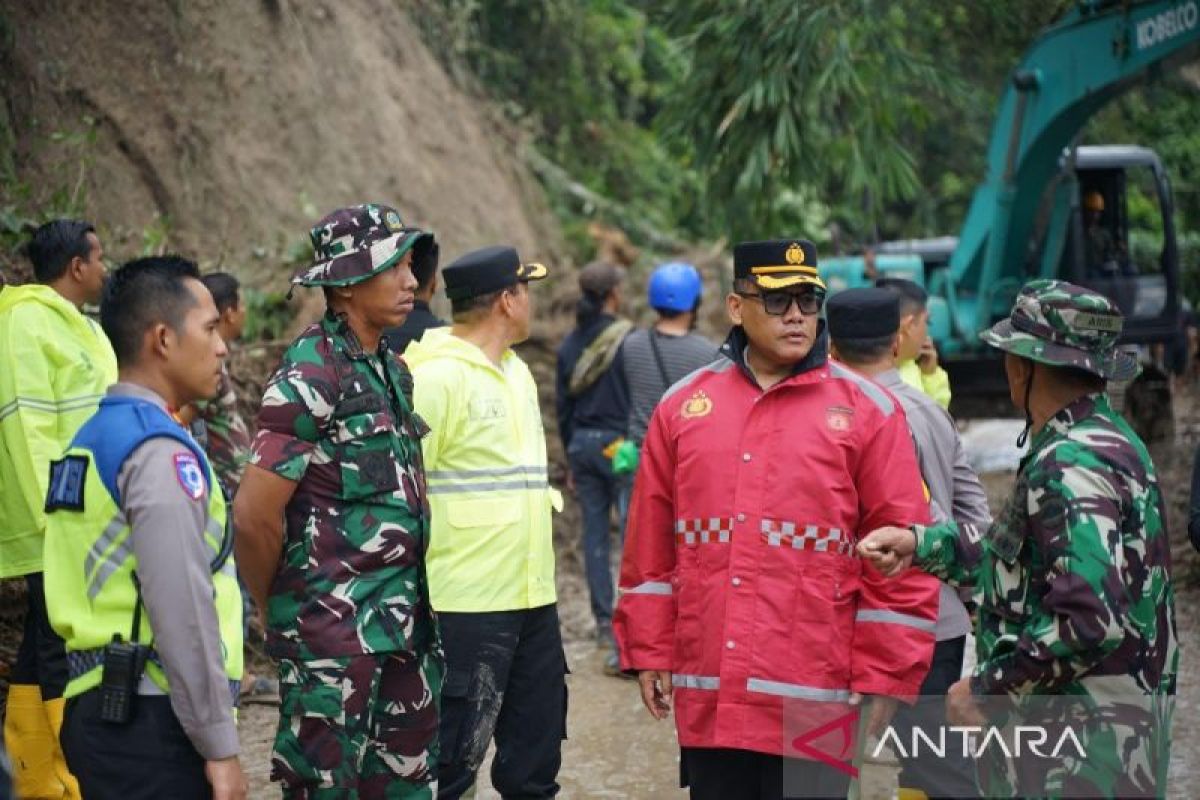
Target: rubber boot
[54, 713]
[33, 746]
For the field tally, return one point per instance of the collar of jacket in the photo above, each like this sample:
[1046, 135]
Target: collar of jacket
[441, 343]
[1066, 418]
[338, 325]
[11, 296]
[736, 343]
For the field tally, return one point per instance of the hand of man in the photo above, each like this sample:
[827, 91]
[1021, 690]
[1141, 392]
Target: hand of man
[961, 706]
[656, 691]
[227, 779]
[927, 358]
[890, 550]
[880, 713]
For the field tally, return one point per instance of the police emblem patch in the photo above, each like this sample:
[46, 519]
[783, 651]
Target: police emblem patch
[794, 254]
[187, 472]
[698, 405]
[839, 419]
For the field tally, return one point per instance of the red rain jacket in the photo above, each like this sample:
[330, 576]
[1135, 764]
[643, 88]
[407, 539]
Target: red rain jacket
[739, 575]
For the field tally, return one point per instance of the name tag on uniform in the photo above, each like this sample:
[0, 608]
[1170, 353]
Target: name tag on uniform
[67, 478]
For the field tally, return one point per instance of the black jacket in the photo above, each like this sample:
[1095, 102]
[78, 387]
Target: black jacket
[605, 404]
[420, 320]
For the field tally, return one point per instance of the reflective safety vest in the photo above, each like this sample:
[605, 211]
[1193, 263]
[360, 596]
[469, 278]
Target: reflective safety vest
[89, 560]
[491, 544]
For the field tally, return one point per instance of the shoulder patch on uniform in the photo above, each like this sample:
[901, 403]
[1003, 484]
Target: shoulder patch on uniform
[187, 472]
[67, 478]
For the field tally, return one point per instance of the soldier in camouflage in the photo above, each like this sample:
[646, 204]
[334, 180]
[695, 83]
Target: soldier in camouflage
[333, 525]
[1076, 624]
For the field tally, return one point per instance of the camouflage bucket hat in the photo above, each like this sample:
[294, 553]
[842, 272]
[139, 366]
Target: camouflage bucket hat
[352, 244]
[1059, 323]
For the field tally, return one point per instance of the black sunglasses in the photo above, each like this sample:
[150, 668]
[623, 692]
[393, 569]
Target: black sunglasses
[777, 303]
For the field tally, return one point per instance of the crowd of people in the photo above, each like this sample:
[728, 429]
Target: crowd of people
[799, 530]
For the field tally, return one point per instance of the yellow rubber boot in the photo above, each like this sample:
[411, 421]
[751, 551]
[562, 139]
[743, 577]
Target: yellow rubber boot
[54, 713]
[33, 747]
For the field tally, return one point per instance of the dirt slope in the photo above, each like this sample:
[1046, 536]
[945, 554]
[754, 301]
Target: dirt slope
[241, 122]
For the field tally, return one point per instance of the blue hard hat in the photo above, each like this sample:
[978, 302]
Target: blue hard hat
[674, 286]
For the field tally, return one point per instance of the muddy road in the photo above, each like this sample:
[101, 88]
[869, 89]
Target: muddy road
[616, 750]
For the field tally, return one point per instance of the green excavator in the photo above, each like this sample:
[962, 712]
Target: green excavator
[1101, 217]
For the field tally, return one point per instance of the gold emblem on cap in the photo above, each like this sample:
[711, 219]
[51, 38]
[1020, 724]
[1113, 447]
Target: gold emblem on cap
[698, 405]
[794, 254]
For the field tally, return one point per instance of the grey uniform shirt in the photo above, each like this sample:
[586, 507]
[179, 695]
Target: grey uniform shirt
[173, 564]
[681, 356]
[954, 490]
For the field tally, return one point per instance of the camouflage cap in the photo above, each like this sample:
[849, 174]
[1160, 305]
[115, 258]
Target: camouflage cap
[352, 244]
[1059, 323]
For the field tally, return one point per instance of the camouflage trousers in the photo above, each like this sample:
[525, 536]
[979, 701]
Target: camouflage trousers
[358, 727]
[1114, 747]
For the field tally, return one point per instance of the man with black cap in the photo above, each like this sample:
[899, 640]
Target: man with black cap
[1074, 577]
[333, 525]
[421, 318]
[491, 555]
[741, 595]
[864, 333]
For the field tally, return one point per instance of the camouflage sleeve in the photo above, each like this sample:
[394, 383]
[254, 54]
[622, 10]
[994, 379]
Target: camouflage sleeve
[950, 551]
[296, 408]
[1074, 512]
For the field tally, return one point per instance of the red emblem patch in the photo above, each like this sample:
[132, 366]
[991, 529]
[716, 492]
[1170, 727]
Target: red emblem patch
[839, 419]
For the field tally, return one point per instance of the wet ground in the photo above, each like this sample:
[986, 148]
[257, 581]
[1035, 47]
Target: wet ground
[615, 749]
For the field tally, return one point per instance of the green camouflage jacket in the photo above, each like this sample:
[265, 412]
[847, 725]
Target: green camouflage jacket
[226, 438]
[1074, 586]
[339, 422]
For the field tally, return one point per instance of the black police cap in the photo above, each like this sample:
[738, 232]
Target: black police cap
[862, 314]
[777, 263]
[488, 270]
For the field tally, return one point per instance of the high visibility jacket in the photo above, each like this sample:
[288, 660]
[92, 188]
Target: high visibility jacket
[491, 543]
[55, 364]
[739, 574]
[89, 563]
[936, 384]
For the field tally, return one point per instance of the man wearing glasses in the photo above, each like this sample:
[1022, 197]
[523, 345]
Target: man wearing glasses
[742, 598]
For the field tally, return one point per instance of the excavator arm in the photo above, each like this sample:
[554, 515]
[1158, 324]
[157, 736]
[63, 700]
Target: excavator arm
[1095, 53]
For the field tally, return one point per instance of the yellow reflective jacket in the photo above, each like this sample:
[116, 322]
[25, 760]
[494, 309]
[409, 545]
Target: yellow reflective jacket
[491, 543]
[936, 384]
[55, 364]
[90, 592]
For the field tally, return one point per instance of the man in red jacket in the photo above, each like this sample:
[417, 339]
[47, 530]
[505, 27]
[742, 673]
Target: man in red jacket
[742, 597]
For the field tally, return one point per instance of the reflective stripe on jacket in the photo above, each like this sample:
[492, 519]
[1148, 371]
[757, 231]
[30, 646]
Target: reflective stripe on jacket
[55, 364]
[739, 574]
[490, 499]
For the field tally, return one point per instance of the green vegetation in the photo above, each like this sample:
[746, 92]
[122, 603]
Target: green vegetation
[846, 120]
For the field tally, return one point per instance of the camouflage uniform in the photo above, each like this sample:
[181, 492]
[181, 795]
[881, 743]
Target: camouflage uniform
[226, 437]
[1074, 577]
[349, 613]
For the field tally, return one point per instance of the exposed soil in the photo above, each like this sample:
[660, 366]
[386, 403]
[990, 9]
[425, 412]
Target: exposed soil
[242, 123]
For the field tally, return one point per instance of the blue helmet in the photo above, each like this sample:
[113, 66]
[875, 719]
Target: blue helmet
[674, 286]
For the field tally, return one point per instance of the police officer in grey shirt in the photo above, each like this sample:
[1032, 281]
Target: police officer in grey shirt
[179, 742]
[863, 328]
